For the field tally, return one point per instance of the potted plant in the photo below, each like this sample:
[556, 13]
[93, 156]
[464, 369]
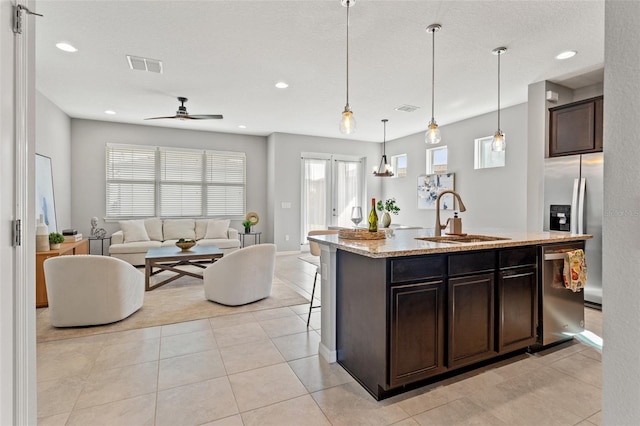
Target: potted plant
[388, 206]
[55, 239]
[247, 226]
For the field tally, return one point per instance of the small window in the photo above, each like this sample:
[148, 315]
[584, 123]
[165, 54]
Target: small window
[399, 165]
[436, 160]
[485, 158]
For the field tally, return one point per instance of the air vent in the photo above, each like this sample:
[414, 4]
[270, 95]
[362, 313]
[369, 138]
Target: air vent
[406, 108]
[144, 64]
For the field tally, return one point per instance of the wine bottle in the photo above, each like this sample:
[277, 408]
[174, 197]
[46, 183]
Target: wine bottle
[373, 217]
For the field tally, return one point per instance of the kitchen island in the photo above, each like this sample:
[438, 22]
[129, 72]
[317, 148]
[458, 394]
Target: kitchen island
[411, 307]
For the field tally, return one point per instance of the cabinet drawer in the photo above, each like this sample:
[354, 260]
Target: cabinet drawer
[416, 268]
[477, 261]
[517, 257]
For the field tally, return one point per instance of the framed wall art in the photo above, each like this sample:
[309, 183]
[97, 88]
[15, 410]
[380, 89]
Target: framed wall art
[429, 186]
[45, 201]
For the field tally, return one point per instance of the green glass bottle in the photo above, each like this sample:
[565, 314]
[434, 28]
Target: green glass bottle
[373, 217]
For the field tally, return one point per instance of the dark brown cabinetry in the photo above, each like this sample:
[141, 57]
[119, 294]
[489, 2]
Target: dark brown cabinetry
[517, 298]
[417, 332]
[576, 128]
[405, 319]
[471, 319]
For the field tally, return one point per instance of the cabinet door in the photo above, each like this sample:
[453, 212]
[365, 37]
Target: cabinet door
[471, 319]
[518, 308]
[599, 124]
[416, 332]
[572, 129]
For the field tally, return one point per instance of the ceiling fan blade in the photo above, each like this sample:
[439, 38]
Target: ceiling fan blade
[205, 116]
[158, 118]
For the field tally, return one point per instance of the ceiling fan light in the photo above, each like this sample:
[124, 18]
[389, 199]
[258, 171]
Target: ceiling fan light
[348, 122]
[432, 135]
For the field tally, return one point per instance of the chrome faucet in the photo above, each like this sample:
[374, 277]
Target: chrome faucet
[439, 226]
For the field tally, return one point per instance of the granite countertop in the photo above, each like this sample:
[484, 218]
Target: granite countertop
[403, 242]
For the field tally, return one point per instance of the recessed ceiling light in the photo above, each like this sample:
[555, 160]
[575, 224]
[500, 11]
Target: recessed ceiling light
[281, 85]
[242, 126]
[566, 55]
[110, 112]
[66, 47]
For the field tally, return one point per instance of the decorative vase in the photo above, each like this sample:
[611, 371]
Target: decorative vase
[55, 246]
[386, 220]
[42, 235]
[247, 229]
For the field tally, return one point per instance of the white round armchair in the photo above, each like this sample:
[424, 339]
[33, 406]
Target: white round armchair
[241, 277]
[91, 290]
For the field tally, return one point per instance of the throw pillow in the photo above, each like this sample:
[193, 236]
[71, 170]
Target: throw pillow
[154, 228]
[217, 229]
[174, 229]
[133, 230]
[201, 228]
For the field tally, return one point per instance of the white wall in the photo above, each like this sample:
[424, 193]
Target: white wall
[286, 181]
[88, 139]
[495, 198]
[621, 229]
[53, 139]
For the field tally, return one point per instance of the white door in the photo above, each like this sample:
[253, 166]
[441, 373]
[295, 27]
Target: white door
[331, 186]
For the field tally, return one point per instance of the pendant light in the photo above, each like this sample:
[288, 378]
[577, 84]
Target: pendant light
[384, 169]
[498, 143]
[348, 122]
[432, 135]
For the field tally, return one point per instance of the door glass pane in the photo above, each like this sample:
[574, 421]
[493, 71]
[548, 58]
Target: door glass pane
[347, 190]
[314, 196]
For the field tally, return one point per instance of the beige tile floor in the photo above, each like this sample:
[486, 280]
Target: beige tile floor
[262, 368]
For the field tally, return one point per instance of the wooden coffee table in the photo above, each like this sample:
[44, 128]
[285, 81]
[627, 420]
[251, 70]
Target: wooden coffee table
[169, 258]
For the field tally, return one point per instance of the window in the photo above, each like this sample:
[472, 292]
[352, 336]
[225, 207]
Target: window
[436, 160]
[147, 181]
[399, 165]
[484, 157]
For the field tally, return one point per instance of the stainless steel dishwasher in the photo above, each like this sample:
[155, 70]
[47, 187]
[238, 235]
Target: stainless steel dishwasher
[561, 310]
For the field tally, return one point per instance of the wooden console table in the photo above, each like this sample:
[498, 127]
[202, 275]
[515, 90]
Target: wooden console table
[79, 247]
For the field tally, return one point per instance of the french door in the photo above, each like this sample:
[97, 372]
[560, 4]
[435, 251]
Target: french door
[331, 186]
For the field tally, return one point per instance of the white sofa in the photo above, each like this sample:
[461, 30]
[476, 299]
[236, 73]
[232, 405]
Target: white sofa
[135, 237]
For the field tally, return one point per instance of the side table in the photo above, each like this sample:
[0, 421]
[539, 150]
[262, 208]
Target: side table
[256, 237]
[102, 240]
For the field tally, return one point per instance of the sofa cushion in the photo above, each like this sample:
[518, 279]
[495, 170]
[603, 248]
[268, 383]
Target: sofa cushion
[217, 228]
[134, 230]
[154, 228]
[201, 228]
[174, 229]
[137, 247]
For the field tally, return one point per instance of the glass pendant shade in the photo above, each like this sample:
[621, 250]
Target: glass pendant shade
[348, 122]
[498, 143]
[433, 134]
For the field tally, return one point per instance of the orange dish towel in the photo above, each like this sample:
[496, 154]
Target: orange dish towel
[575, 270]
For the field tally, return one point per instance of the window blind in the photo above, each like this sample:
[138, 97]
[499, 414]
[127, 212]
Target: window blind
[130, 181]
[147, 181]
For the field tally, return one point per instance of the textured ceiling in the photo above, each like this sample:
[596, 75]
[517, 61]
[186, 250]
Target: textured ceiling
[226, 56]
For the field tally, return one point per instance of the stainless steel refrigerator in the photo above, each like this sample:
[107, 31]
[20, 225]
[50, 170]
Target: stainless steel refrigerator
[573, 202]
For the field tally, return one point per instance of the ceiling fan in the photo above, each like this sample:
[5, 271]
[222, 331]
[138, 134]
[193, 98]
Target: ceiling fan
[182, 114]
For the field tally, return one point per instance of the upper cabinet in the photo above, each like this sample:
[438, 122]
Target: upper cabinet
[576, 128]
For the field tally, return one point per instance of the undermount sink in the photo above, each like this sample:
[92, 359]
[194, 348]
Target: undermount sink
[458, 239]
